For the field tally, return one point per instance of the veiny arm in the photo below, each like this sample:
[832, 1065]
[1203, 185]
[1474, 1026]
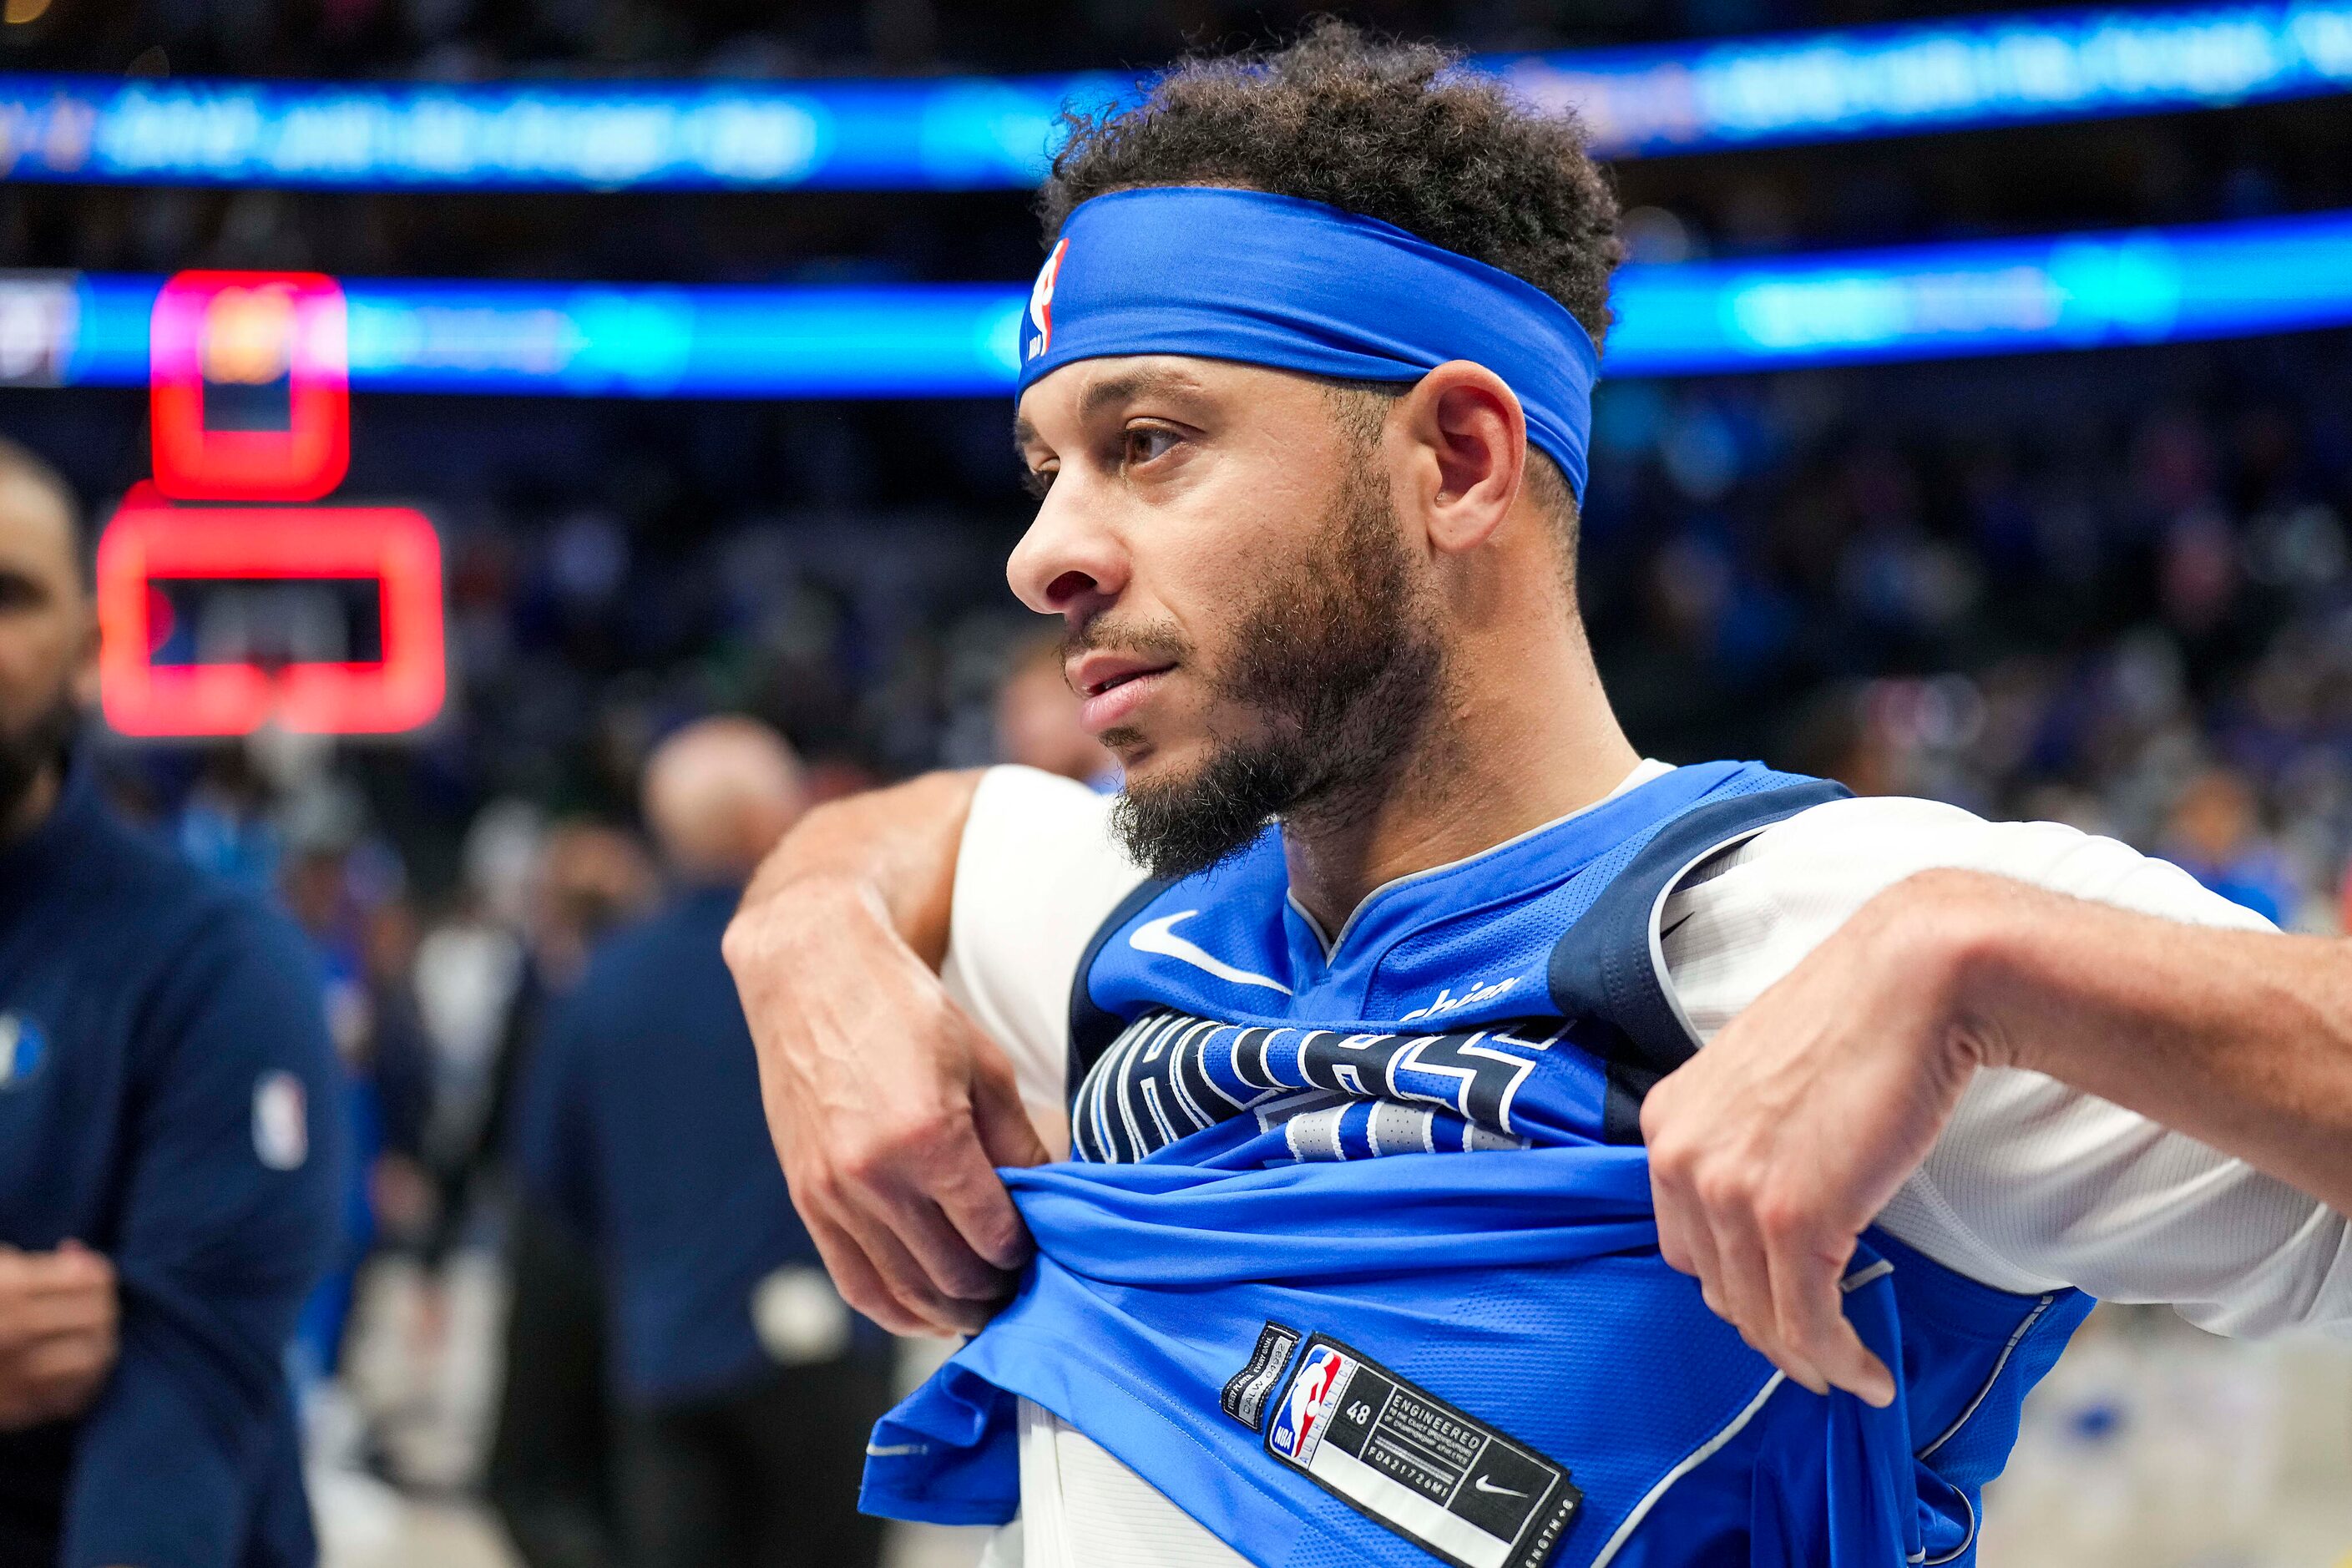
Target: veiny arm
[889, 1109]
[1776, 1147]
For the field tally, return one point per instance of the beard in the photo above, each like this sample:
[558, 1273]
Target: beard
[30, 748]
[1338, 662]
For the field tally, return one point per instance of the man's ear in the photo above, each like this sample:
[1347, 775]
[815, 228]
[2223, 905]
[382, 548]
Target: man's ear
[1473, 438]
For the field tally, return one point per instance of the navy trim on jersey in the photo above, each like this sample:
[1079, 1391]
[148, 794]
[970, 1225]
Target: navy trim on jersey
[1607, 966]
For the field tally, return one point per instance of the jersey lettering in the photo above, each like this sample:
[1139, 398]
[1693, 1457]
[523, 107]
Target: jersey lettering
[1338, 1094]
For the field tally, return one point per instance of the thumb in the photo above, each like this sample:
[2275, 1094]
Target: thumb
[1006, 1132]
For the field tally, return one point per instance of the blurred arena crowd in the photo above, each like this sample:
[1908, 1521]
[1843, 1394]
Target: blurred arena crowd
[2114, 593]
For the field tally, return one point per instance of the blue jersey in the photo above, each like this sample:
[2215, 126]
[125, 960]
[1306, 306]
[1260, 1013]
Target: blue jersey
[1268, 1285]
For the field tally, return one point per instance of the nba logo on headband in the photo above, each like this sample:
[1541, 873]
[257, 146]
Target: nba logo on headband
[1041, 301]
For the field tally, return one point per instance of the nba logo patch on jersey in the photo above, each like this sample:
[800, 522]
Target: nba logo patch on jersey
[1459, 1489]
[1041, 303]
[22, 1048]
[282, 1123]
[1322, 1380]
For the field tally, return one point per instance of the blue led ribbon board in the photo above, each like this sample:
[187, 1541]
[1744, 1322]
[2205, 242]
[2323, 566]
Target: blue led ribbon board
[2068, 291]
[972, 132]
[1952, 75]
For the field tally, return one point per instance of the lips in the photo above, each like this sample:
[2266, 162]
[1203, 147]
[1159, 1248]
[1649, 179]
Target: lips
[1112, 687]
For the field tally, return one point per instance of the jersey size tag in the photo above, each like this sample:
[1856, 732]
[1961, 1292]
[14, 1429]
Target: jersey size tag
[1405, 1458]
[1246, 1392]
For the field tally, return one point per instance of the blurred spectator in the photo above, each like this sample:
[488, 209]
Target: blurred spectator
[363, 958]
[2215, 835]
[170, 1148]
[1839, 735]
[745, 1386]
[1037, 718]
[224, 825]
[539, 901]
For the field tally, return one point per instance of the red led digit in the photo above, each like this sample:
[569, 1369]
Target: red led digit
[150, 543]
[217, 339]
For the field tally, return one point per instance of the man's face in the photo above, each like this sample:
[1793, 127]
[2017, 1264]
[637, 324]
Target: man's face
[1246, 619]
[47, 652]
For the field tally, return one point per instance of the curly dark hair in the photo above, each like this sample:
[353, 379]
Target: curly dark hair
[1397, 131]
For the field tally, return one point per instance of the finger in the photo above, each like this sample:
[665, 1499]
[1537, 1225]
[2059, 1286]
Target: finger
[986, 1229]
[975, 1200]
[41, 1315]
[69, 1361]
[87, 1262]
[874, 1235]
[912, 1289]
[78, 1271]
[1747, 1289]
[1810, 1301]
[1676, 1220]
[1006, 1132]
[945, 1266]
[860, 1284]
[1698, 1241]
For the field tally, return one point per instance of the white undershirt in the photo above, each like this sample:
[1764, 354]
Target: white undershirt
[2031, 1186]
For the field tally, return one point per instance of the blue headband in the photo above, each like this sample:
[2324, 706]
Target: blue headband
[1273, 281]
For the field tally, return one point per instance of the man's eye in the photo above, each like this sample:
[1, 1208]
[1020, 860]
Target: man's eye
[1145, 442]
[1037, 481]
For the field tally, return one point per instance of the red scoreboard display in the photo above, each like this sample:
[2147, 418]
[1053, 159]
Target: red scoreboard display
[245, 611]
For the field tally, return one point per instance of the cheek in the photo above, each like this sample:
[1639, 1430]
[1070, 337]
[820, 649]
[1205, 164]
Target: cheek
[1230, 535]
[34, 659]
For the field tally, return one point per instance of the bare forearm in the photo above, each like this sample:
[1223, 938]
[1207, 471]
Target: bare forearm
[2240, 1039]
[892, 851]
[889, 1110]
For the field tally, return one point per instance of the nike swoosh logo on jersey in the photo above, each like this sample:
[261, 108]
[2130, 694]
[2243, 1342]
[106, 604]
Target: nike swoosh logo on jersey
[1160, 937]
[1484, 1485]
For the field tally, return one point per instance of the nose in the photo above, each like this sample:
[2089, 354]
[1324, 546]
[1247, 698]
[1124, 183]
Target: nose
[1069, 563]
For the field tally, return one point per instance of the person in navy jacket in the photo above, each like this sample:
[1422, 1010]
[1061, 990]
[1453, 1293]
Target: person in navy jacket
[169, 1163]
[746, 1387]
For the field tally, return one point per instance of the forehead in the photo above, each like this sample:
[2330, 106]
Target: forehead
[37, 533]
[1092, 388]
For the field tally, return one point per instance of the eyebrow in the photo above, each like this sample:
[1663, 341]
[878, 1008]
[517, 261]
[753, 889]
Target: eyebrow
[1110, 393]
[1125, 388]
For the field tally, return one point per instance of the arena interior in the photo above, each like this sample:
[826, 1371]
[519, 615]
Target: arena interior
[1978, 425]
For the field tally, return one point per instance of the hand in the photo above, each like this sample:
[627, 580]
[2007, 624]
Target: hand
[888, 1108]
[57, 1326]
[1773, 1148]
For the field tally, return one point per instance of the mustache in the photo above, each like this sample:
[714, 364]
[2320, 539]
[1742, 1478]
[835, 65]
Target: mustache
[1159, 640]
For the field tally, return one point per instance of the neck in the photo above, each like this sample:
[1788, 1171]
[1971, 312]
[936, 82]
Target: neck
[1524, 736]
[33, 807]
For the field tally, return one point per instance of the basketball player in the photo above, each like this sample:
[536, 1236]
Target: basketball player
[1305, 397]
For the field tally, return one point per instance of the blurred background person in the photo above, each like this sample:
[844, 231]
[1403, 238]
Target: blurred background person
[171, 1145]
[542, 900]
[1037, 718]
[2215, 834]
[744, 1386]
